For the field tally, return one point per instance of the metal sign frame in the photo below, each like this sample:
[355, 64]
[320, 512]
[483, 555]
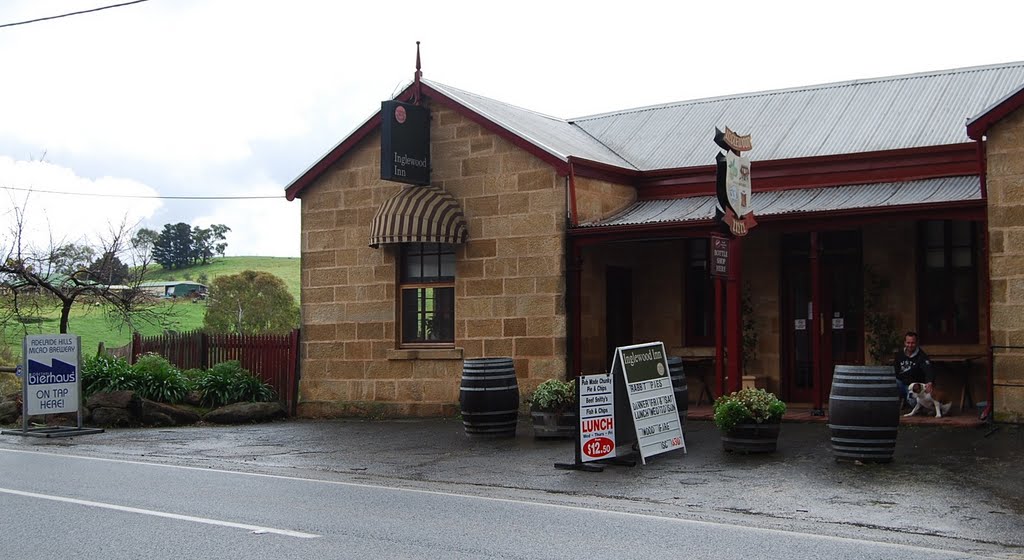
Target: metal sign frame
[44, 388]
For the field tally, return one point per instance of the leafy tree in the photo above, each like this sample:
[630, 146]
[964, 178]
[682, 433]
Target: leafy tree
[179, 245]
[173, 246]
[207, 242]
[250, 302]
[71, 257]
[109, 270]
[144, 240]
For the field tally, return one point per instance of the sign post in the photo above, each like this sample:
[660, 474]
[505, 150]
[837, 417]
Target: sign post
[51, 383]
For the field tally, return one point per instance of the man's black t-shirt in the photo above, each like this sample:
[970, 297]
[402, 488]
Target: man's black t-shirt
[914, 368]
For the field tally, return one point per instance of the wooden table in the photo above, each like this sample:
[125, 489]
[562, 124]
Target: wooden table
[959, 366]
[700, 368]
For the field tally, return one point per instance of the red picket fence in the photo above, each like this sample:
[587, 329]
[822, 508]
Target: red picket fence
[272, 358]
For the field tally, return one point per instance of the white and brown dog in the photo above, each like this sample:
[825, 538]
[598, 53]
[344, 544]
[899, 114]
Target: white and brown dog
[926, 400]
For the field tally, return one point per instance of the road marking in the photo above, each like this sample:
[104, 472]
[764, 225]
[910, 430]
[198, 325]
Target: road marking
[834, 538]
[252, 528]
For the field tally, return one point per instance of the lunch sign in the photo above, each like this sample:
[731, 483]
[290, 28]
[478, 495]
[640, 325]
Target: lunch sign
[597, 416]
[634, 403]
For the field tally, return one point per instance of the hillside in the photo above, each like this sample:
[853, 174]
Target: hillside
[285, 268]
[89, 321]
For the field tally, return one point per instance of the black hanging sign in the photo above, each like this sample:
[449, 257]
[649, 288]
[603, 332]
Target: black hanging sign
[405, 143]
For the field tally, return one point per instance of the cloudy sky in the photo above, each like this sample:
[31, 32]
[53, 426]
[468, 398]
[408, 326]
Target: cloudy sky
[236, 98]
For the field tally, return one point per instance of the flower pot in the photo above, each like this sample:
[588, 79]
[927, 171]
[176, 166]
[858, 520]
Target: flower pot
[752, 438]
[555, 425]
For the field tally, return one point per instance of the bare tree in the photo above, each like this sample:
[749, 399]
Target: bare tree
[35, 277]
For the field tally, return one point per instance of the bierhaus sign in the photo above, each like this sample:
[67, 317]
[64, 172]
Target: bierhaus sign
[405, 143]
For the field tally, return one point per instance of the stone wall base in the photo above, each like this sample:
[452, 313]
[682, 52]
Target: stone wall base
[1009, 401]
[371, 409]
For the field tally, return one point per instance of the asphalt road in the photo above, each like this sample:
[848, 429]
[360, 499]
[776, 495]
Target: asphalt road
[54, 504]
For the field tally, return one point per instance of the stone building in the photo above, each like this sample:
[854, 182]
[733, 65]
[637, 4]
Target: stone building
[554, 241]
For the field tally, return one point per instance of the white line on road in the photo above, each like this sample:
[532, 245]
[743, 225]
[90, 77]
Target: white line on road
[742, 527]
[253, 528]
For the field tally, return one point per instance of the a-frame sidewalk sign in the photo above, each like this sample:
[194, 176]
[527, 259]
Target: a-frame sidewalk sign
[51, 383]
[631, 408]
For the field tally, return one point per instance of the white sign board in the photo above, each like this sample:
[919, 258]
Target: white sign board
[597, 417]
[52, 378]
[651, 399]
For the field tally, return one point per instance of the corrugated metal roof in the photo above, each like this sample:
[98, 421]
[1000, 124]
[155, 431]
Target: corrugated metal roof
[553, 135]
[898, 112]
[793, 201]
[909, 111]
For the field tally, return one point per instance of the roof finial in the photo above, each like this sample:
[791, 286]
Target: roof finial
[417, 91]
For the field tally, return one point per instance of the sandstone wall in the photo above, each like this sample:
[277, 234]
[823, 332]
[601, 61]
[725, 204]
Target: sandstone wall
[1005, 160]
[509, 277]
[596, 199]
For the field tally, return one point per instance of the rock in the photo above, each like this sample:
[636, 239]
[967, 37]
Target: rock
[194, 398]
[160, 414]
[110, 416]
[9, 412]
[115, 399]
[242, 413]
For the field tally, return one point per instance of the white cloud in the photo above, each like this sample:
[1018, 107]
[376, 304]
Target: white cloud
[261, 227]
[59, 206]
[223, 97]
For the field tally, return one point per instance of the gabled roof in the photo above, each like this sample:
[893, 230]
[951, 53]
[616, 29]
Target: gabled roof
[899, 112]
[555, 136]
[979, 125]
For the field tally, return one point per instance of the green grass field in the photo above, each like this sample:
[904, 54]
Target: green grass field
[285, 268]
[89, 321]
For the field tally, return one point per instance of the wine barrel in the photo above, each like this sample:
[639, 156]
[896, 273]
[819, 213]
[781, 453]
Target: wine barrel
[864, 413]
[489, 397]
[682, 392]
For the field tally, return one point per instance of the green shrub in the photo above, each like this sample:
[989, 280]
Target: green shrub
[159, 380]
[554, 395]
[747, 406]
[106, 373]
[228, 382]
[9, 384]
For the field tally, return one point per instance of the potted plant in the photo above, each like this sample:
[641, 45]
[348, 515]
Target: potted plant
[554, 410]
[749, 420]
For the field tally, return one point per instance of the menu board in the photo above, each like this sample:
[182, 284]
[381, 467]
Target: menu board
[597, 416]
[652, 402]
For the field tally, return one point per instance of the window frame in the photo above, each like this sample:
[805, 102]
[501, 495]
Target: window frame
[931, 290]
[690, 336]
[407, 282]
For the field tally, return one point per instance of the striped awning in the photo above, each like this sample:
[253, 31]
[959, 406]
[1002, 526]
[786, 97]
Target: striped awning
[419, 214]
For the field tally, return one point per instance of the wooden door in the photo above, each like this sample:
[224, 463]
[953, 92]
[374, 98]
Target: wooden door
[618, 309]
[837, 320]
